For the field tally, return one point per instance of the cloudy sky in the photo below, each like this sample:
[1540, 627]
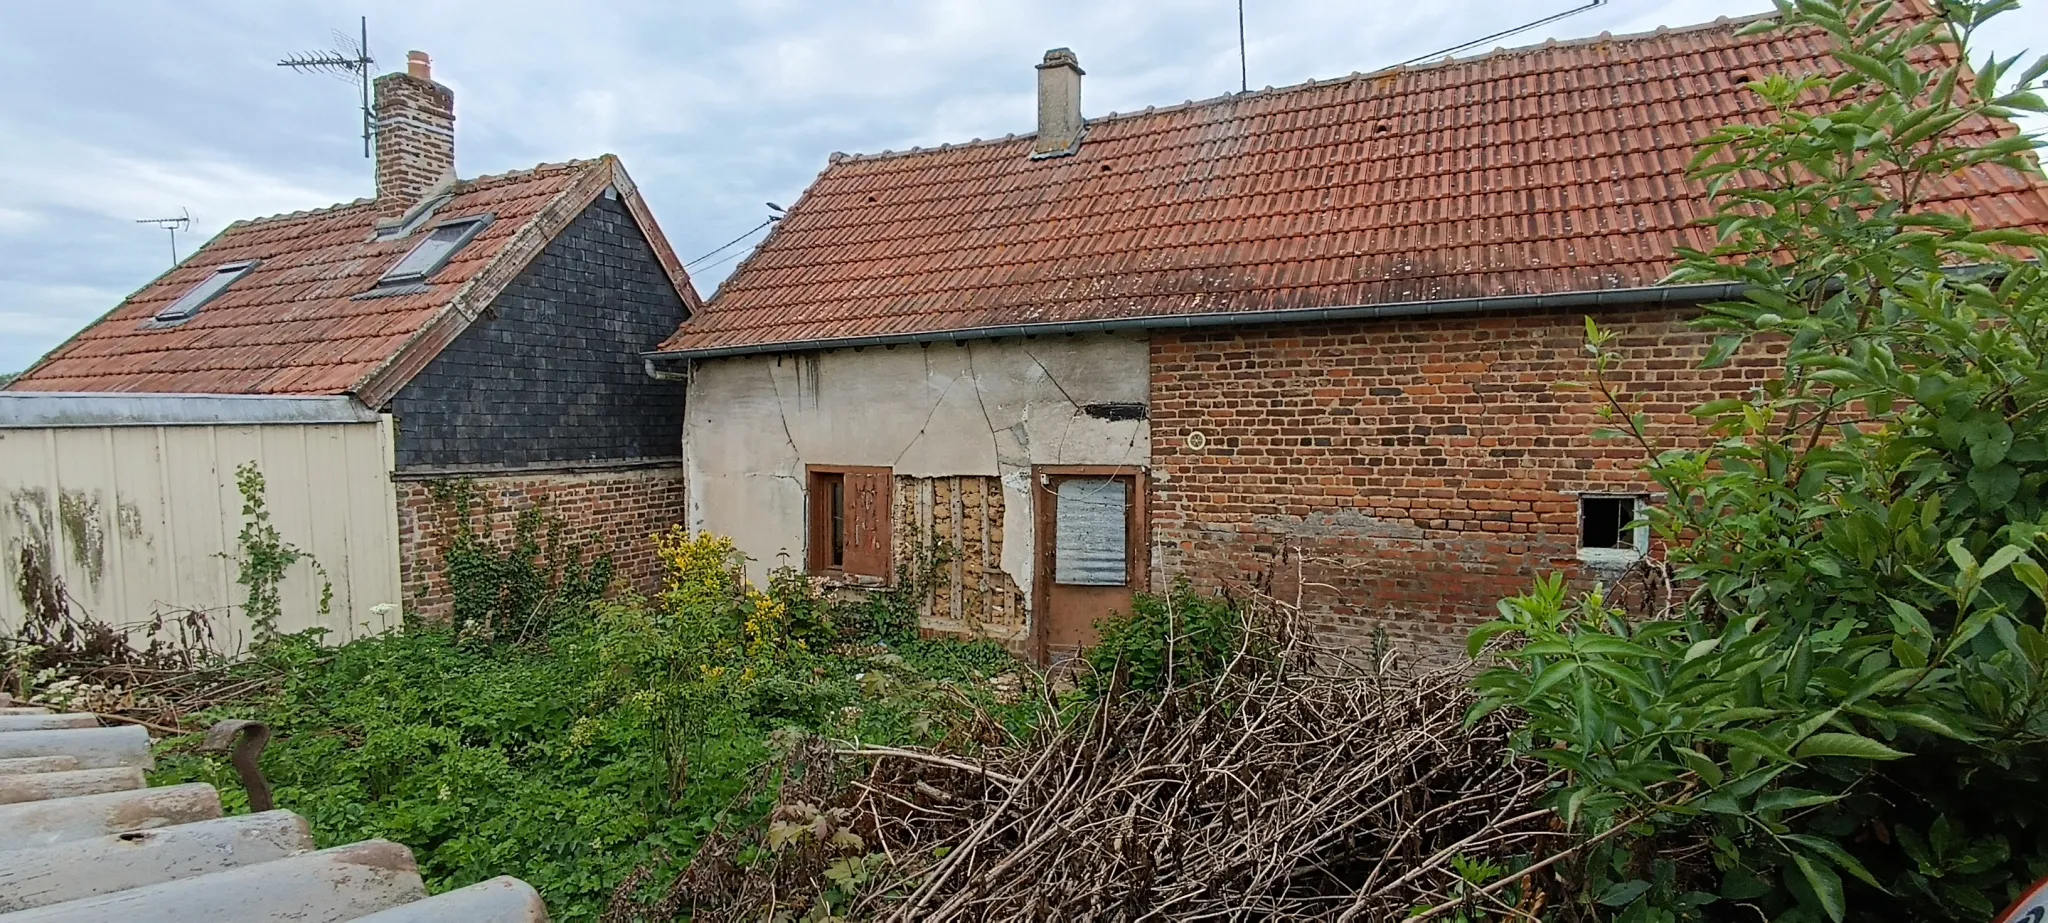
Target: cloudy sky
[117, 110]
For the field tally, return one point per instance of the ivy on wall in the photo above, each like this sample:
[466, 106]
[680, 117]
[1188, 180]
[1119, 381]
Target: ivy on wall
[519, 589]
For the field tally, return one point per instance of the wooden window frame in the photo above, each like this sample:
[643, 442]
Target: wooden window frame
[818, 525]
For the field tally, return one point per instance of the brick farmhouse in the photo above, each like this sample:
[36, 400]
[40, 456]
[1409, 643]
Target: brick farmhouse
[495, 323]
[1303, 339]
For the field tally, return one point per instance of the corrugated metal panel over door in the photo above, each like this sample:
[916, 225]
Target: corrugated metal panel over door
[139, 521]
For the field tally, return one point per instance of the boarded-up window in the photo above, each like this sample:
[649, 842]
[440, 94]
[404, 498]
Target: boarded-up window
[1091, 539]
[849, 514]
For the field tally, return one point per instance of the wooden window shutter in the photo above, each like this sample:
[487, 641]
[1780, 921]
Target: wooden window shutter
[867, 522]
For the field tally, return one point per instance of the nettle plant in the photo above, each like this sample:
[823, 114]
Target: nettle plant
[1844, 716]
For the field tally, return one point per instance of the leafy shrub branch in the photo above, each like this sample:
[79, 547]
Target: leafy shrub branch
[262, 558]
[1846, 717]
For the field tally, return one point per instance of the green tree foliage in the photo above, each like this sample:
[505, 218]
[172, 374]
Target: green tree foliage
[1845, 718]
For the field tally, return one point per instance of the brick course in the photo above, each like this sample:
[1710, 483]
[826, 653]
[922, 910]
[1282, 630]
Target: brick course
[617, 512]
[1402, 474]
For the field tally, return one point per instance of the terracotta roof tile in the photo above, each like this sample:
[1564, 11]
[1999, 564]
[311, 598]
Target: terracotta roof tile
[292, 325]
[1546, 169]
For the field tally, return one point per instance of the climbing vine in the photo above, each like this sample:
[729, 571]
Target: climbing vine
[263, 557]
[519, 590]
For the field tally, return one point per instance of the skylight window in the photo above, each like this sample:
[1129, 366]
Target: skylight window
[208, 289]
[433, 251]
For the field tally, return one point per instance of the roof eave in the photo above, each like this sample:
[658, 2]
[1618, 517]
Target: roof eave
[1645, 296]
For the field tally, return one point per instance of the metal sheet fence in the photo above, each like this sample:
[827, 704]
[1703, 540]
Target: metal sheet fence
[137, 521]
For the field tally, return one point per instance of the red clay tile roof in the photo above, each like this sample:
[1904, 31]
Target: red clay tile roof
[293, 325]
[1541, 170]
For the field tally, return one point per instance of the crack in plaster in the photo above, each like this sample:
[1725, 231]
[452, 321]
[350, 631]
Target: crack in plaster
[941, 402]
[782, 414]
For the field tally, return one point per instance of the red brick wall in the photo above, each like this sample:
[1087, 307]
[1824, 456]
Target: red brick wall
[616, 511]
[1404, 474]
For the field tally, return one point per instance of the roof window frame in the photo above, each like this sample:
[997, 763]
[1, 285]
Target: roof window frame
[186, 306]
[411, 221]
[472, 226]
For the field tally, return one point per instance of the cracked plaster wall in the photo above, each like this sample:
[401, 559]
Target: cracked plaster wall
[989, 409]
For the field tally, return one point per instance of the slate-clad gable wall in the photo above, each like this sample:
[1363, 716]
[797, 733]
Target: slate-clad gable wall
[552, 371]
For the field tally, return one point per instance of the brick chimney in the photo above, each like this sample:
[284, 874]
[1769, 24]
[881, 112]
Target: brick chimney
[1059, 105]
[415, 135]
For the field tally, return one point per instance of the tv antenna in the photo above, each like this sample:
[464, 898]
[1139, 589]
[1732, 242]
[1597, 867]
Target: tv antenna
[349, 59]
[181, 223]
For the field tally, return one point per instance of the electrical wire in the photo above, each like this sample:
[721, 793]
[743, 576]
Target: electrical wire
[714, 264]
[721, 248]
[1547, 20]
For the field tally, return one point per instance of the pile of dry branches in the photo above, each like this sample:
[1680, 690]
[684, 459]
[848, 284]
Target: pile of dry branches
[154, 673]
[1303, 783]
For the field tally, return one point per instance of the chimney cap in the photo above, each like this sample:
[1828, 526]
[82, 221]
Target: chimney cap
[417, 64]
[1061, 57]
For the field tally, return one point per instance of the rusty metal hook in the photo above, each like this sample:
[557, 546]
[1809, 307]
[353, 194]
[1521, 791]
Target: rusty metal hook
[255, 736]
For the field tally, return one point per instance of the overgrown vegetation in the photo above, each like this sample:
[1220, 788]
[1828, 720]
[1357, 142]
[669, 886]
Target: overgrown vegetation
[262, 559]
[1183, 638]
[1842, 717]
[607, 748]
[517, 590]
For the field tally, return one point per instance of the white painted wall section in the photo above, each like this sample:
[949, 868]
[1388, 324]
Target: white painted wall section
[990, 409]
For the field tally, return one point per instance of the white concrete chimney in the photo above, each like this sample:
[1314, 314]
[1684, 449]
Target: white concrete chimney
[1059, 105]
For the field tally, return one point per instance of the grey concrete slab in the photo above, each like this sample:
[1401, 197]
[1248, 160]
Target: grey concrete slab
[500, 900]
[44, 786]
[47, 722]
[104, 865]
[329, 886]
[26, 764]
[45, 823]
[95, 748]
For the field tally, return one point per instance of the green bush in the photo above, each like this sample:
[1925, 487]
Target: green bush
[1844, 719]
[1166, 641]
[615, 743]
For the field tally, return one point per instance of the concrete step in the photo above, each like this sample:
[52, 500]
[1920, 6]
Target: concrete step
[94, 748]
[47, 722]
[499, 900]
[104, 865]
[329, 886]
[44, 786]
[24, 710]
[26, 764]
[46, 823]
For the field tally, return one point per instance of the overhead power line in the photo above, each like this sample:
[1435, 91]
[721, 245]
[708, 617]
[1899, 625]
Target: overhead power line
[771, 219]
[1504, 33]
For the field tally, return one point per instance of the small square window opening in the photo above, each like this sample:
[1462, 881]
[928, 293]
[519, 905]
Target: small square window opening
[1609, 530]
[208, 289]
[434, 251]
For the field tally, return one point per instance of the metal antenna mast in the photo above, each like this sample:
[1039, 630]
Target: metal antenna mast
[181, 223]
[1244, 73]
[350, 58]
